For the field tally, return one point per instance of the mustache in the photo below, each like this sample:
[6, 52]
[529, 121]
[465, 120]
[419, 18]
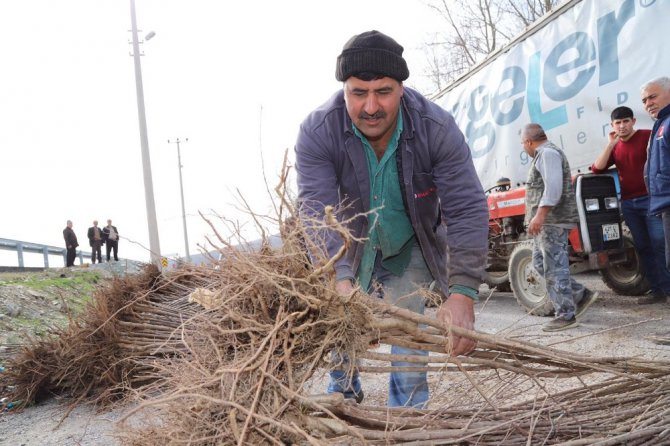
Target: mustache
[378, 115]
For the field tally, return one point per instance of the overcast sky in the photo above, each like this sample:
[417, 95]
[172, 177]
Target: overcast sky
[235, 78]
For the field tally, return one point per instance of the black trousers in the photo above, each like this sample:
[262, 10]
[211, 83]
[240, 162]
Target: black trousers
[96, 251]
[113, 244]
[70, 256]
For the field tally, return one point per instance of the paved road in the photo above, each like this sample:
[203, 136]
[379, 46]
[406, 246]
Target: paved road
[614, 325]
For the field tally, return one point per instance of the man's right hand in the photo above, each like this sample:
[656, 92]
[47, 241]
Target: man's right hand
[613, 137]
[344, 287]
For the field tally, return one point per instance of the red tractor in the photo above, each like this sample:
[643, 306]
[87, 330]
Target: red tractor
[599, 242]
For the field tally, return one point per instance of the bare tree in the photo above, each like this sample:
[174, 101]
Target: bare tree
[475, 29]
[528, 11]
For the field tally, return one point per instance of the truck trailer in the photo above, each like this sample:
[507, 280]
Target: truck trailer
[566, 72]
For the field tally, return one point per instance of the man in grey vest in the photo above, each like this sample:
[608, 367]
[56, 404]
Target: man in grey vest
[551, 211]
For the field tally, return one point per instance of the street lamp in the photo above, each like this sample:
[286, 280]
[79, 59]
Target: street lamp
[154, 244]
[181, 189]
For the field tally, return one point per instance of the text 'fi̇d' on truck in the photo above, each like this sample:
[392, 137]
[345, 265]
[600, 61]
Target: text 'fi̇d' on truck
[566, 72]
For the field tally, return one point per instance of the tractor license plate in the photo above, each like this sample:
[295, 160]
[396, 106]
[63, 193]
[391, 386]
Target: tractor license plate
[611, 232]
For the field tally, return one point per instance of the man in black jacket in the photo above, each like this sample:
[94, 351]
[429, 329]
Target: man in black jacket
[111, 237]
[95, 239]
[70, 244]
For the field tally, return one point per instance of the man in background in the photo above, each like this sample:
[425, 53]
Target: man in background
[70, 244]
[627, 149]
[95, 240]
[111, 236]
[551, 211]
[655, 96]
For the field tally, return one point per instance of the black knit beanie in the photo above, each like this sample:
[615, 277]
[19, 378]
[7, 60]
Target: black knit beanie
[371, 52]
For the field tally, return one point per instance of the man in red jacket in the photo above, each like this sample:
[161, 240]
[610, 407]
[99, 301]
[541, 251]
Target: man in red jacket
[627, 149]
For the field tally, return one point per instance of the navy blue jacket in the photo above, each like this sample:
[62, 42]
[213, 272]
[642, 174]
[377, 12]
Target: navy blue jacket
[442, 194]
[658, 163]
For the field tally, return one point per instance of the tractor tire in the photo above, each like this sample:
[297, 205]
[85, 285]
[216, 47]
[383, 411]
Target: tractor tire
[528, 286]
[499, 280]
[627, 278]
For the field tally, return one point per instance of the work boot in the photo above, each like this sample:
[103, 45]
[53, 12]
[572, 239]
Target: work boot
[587, 300]
[652, 297]
[559, 324]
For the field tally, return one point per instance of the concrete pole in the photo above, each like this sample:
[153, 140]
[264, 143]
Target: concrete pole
[181, 189]
[154, 244]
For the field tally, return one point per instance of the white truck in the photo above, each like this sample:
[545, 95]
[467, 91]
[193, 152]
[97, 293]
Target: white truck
[566, 72]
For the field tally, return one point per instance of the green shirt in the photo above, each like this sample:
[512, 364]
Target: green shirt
[390, 229]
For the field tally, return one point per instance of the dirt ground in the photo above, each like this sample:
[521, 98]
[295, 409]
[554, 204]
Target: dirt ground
[613, 326]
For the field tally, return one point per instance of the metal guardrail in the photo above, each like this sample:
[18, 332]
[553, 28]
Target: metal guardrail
[20, 247]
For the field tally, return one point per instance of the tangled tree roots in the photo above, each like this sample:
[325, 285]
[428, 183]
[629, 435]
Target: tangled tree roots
[220, 355]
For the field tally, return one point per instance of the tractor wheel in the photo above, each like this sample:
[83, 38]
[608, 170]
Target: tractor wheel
[499, 280]
[626, 278]
[528, 286]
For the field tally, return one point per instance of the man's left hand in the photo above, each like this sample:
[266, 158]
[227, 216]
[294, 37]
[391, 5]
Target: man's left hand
[535, 225]
[459, 310]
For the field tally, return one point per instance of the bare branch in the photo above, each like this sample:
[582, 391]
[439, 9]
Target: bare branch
[474, 30]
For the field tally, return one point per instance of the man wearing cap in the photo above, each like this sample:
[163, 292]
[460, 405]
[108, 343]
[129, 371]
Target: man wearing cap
[399, 170]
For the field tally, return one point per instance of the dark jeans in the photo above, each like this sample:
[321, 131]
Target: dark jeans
[650, 242]
[96, 251]
[112, 245]
[666, 230]
[70, 256]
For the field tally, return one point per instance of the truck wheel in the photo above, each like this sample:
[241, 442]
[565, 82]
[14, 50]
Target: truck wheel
[528, 286]
[499, 280]
[626, 278]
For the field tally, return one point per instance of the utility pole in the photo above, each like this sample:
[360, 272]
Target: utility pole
[154, 244]
[181, 189]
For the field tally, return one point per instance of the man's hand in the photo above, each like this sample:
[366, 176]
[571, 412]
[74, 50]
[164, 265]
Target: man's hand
[535, 225]
[344, 287]
[604, 157]
[613, 138]
[459, 310]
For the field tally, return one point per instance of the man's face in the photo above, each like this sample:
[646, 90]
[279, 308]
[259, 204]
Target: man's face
[654, 98]
[95, 222]
[109, 222]
[525, 143]
[623, 127]
[373, 106]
